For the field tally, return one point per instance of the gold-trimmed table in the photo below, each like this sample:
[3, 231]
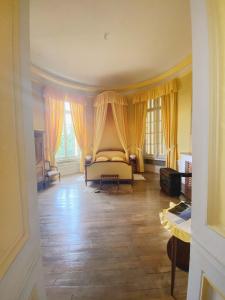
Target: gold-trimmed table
[178, 247]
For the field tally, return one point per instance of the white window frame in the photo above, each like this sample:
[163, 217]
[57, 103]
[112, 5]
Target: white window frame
[157, 156]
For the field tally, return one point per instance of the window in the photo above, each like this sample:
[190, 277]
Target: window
[68, 148]
[154, 140]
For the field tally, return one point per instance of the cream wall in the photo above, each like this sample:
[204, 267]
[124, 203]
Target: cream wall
[184, 114]
[38, 110]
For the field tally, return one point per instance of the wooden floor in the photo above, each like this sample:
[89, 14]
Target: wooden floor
[106, 246]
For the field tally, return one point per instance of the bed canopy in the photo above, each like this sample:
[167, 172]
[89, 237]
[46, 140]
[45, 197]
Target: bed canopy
[119, 106]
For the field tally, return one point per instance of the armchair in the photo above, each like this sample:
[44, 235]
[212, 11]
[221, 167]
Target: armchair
[51, 171]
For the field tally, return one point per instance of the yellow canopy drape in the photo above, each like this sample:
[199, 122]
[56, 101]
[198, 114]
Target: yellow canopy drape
[170, 122]
[110, 97]
[139, 124]
[120, 115]
[54, 117]
[119, 108]
[79, 125]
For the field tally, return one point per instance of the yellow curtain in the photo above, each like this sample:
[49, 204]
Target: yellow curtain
[54, 117]
[169, 120]
[99, 125]
[139, 124]
[168, 92]
[156, 92]
[120, 116]
[79, 125]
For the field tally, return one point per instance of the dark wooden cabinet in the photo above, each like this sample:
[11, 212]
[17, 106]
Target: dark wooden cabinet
[170, 181]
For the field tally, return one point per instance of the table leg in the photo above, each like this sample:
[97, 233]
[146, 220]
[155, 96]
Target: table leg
[173, 263]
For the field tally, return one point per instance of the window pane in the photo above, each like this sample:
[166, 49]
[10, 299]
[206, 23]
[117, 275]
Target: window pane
[69, 124]
[70, 137]
[70, 145]
[67, 106]
[154, 140]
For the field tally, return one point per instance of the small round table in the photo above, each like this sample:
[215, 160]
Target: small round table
[178, 246]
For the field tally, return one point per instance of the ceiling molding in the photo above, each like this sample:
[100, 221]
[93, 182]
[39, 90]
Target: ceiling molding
[49, 78]
[40, 75]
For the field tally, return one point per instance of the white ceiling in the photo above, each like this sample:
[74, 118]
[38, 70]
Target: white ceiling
[144, 38]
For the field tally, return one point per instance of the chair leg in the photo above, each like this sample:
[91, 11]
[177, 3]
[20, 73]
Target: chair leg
[100, 184]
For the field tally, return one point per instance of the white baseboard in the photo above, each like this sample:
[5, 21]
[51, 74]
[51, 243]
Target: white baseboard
[69, 167]
[152, 168]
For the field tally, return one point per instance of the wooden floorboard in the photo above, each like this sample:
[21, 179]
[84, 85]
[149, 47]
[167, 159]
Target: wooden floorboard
[108, 245]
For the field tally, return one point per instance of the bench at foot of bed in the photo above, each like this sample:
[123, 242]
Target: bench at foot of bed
[110, 178]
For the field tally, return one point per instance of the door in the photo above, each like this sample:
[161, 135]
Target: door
[20, 267]
[207, 265]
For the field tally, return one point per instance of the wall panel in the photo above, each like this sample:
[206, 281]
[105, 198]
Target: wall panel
[13, 209]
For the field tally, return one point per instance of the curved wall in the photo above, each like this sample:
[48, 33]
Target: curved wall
[182, 71]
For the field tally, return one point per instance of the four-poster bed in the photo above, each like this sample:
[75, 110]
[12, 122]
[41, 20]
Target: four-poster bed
[111, 161]
[116, 164]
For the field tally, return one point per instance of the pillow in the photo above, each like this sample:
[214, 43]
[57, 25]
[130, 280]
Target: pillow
[102, 158]
[117, 158]
[111, 154]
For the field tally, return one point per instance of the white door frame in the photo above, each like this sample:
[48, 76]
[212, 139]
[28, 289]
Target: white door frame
[207, 265]
[20, 258]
